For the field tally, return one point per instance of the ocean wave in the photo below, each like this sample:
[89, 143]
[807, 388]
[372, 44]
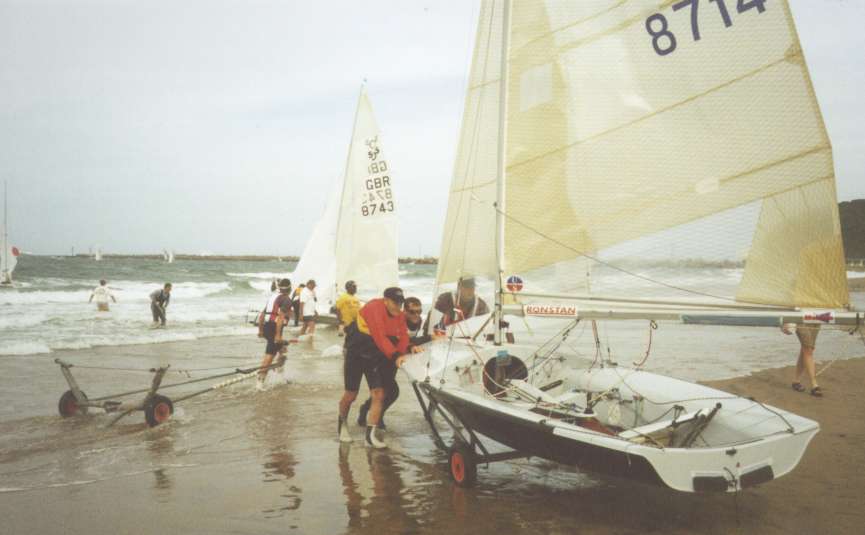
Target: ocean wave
[23, 348]
[21, 321]
[267, 275]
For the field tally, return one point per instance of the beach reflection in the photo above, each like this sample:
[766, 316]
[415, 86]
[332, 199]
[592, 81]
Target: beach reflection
[270, 425]
[159, 444]
[375, 494]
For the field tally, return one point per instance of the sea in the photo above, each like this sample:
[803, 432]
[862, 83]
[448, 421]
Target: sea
[48, 309]
[239, 460]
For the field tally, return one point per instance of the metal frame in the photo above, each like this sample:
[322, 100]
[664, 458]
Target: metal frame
[483, 456]
[108, 404]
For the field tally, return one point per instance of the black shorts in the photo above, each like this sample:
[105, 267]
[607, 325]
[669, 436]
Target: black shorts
[378, 370]
[308, 318]
[269, 330]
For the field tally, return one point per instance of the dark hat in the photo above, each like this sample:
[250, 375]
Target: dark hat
[395, 294]
[468, 282]
[350, 284]
[285, 284]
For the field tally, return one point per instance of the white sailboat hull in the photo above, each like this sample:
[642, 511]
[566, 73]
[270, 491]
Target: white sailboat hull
[744, 443]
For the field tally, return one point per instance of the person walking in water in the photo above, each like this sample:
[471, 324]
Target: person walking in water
[158, 303]
[295, 303]
[373, 342]
[271, 321]
[102, 294]
[308, 312]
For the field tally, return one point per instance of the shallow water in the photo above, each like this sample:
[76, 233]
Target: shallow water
[241, 461]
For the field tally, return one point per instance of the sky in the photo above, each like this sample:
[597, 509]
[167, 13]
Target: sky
[221, 126]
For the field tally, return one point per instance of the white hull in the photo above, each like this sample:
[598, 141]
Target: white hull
[743, 443]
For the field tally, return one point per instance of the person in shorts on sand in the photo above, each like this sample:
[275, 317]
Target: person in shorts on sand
[807, 335]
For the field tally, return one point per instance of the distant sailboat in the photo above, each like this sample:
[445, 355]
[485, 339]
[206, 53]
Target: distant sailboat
[356, 237]
[8, 252]
[168, 255]
[97, 254]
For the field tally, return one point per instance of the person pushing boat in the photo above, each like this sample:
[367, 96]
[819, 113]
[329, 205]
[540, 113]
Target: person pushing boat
[373, 342]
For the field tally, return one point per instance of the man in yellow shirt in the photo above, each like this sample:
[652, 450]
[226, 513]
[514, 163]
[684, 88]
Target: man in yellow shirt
[347, 306]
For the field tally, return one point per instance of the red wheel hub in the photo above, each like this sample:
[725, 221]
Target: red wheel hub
[70, 407]
[458, 467]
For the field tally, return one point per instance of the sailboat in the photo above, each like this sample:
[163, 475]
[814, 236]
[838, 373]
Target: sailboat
[97, 254]
[598, 139]
[356, 237]
[168, 255]
[8, 252]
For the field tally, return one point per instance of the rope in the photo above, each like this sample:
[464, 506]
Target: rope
[653, 325]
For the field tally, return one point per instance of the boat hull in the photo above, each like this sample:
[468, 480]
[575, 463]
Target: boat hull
[723, 469]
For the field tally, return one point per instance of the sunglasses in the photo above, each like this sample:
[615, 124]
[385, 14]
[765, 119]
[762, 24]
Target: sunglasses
[412, 311]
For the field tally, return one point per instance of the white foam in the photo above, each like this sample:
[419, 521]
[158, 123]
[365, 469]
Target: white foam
[15, 347]
[263, 275]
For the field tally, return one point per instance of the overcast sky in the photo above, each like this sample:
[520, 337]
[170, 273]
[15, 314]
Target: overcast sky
[220, 126]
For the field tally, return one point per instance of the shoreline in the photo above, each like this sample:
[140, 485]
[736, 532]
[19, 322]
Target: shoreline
[261, 461]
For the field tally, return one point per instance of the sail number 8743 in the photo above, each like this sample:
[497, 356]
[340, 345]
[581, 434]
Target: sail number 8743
[664, 41]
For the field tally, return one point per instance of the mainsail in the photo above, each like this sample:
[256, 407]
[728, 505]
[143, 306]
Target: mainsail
[640, 134]
[356, 238]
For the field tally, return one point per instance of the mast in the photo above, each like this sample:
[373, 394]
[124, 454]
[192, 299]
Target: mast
[344, 180]
[501, 170]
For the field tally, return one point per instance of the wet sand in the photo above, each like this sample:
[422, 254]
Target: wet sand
[240, 461]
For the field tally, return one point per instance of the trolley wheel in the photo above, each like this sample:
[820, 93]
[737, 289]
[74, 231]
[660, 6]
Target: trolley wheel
[68, 405]
[158, 410]
[462, 464]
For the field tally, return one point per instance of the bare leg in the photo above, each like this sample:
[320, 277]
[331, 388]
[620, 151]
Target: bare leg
[806, 360]
[265, 362]
[348, 398]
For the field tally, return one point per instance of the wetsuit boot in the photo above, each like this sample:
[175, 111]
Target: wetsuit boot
[361, 413]
[372, 440]
[342, 430]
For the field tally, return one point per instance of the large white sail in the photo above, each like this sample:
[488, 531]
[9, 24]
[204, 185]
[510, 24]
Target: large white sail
[356, 238]
[640, 133]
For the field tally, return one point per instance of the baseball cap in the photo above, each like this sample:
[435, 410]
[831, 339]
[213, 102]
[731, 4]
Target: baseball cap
[395, 294]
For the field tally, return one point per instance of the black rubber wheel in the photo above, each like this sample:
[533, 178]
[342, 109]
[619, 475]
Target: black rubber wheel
[462, 465]
[158, 410]
[68, 405]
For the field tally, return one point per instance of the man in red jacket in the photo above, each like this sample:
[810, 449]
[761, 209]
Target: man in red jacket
[372, 344]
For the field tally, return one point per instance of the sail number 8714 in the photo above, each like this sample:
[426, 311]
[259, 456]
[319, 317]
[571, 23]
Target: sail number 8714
[664, 41]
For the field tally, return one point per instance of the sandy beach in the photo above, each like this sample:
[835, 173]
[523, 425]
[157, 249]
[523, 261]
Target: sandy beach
[238, 461]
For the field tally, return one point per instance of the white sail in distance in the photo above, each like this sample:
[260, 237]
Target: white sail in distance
[8, 253]
[644, 134]
[356, 238]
